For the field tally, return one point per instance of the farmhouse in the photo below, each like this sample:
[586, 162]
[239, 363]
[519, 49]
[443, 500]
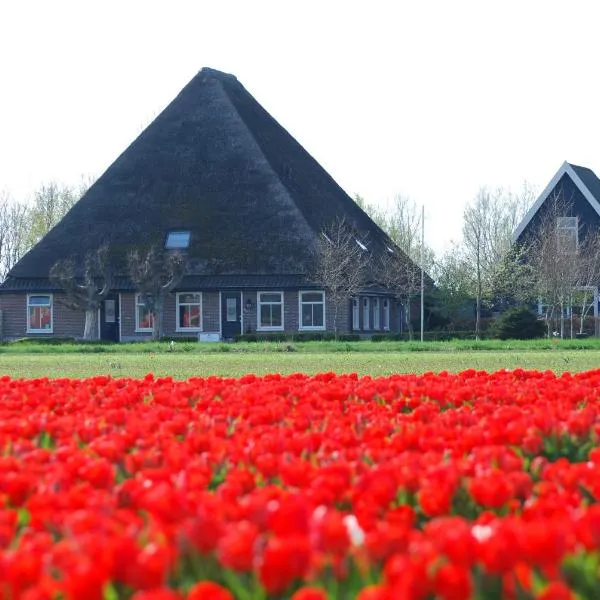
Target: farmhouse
[215, 177]
[570, 206]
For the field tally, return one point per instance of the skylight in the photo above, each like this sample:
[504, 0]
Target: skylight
[362, 246]
[177, 240]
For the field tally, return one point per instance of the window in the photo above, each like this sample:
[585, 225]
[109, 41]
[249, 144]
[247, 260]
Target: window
[270, 310]
[39, 313]
[365, 313]
[189, 311]
[386, 314]
[567, 232]
[312, 310]
[375, 313]
[144, 321]
[355, 314]
[177, 240]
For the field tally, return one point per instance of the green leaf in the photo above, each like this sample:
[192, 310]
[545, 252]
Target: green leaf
[109, 592]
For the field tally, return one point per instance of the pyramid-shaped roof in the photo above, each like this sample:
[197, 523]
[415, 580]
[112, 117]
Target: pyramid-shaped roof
[216, 164]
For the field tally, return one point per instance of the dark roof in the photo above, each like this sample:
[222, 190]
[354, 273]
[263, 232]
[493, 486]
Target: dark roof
[589, 179]
[214, 162]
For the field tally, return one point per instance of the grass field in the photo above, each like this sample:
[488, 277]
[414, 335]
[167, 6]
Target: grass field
[182, 365]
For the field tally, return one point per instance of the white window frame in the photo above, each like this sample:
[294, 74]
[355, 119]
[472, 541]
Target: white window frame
[376, 317]
[178, 304]
[355, 314]
[259, 325]
[28, 306]
[386, 314]
[568, 225]
[300, 303]
[139, 329]
[366, 306]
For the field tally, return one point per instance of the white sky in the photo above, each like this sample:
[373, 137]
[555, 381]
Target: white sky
[431, 99]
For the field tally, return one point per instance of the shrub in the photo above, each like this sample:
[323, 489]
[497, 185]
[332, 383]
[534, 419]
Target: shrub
[518, 324]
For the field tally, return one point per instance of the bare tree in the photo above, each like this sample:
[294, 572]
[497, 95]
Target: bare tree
[488, 223]
[14, 219]
[585, 293]
[155, 273]
[86, 292]
[51, 202]
[375, 213]
[340, 265]
[554, 258]
[402, 278]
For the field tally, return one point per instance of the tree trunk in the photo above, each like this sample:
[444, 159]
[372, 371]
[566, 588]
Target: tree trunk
[408, 320]
[157, 330]
[90, 330]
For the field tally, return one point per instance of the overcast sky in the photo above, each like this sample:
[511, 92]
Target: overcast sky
[430, 99]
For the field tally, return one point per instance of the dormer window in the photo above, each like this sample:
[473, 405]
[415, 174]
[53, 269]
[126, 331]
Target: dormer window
[177, 240]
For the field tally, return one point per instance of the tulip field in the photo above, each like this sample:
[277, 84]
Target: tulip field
[443, 486]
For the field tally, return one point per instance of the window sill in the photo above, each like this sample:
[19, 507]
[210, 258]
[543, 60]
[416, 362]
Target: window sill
[189, 330]
[320, 328]
[37, 331]
[143, 330]
[269, 329]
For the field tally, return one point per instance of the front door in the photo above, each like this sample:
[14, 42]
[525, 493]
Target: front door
[109, 318]
[231, 315]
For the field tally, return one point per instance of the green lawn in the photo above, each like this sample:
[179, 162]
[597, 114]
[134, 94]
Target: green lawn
[227, 363]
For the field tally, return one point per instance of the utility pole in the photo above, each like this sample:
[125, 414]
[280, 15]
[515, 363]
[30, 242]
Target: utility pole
[422, 271]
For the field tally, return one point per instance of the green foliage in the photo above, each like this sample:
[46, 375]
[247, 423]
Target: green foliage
[519, 324]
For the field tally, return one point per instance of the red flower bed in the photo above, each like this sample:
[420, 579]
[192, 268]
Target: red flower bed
[407, 487]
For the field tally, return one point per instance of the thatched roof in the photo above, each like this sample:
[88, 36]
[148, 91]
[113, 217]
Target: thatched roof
[214, 163]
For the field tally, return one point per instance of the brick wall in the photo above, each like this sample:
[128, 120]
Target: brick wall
[66, 322]
[210, 317]
[70, 323]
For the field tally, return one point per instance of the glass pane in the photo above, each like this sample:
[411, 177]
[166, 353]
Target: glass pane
[270, 297]
[189, 298]
[144, 318]
[265, 315]
[231, 304]
[276, 315]
[317, 315]
[312, 297]
[109, 311]
[39, 300]
[189, 316]
[307, 315]
[177, 239]
[40, 317]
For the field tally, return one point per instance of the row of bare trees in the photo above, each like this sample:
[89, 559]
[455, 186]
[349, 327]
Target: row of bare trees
[153, 272]
[558, 265]
[345, 264]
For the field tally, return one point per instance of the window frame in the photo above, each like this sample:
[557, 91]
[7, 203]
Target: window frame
[178, 304]
[571, 230]
[356, 314]
[376, 315]
[386, 314]
[259, 325]
[50, 305]
[139, 329]
[302, 327]
[366, 308]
